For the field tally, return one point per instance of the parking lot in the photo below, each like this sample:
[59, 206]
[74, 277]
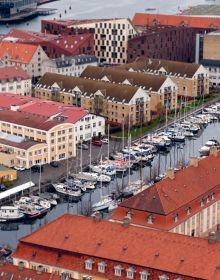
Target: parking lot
[51, 174]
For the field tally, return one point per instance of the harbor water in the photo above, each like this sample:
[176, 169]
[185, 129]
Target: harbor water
[75, 9]
[179, 155]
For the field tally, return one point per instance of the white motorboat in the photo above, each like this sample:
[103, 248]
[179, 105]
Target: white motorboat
[103, 204]
[88, 176]
[103, 178]
[104, 169]
[205, 150]
[32, 211]
[40, 201]
[10, 214]
[65, 190]
[85, 184]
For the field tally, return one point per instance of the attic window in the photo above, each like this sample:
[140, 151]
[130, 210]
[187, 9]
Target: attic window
[88, 264]
[201, 202]
[164, 277]
[188, 210]
[212, 195]
[150, 219]
[130, 273]
[175, 217]
[118, 270]
[207, 199]
[101, 267]
[144, 275]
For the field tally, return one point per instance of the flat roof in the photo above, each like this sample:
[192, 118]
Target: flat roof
[15, 190]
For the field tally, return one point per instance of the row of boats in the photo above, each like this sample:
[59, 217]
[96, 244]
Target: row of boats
[27, 207]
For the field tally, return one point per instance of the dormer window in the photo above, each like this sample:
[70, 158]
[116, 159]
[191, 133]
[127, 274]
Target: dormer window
[101, 267]
[188, 210]
[118, 270]
[88, 264]
[212, 195]
[207, 199]
[150, 219]
[164, 277]
[130, 273]
[201, 202]
[175, 217]
[144, 275]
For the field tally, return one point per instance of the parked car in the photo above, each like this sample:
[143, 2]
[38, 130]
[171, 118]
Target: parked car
[97, 143]
[54, 164]
[2, 188]
[105, 140]
[83, 146]
[19, 168]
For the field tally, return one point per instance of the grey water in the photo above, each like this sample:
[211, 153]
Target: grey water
[102, 9]
[179, 154]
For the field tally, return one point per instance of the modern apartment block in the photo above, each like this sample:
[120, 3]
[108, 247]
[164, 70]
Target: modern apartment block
[33, 131]
[78, 247]
[15, 80]
[161, 89]
[28, 57]
[110, 36]
[185, 202]
[165, 42]
[192, 79]
[113, 101]
[69, 65]
[207, 53]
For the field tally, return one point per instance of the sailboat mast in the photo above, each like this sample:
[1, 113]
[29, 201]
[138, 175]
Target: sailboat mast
[141, 120]
[108, 141]
[123, 134]
[81, 157]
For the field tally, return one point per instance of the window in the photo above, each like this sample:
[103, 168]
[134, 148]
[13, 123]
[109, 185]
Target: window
[201, 202]
[88, 264]
[144, 275]
[212, 195]
[175, 217]
[130, 273]
[150, 219]
[188, 210]
[118, 270]
[101, 267]
[163, 277]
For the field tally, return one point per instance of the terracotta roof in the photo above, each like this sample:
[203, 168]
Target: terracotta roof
[28, 120]
[12, 272]
[174, 67]
[119, 92]
[17, 52]
[13, 72]
[169, 195]
[118, 75]
[24, 145]
[111, 241]
[33, 108]
[141, 19]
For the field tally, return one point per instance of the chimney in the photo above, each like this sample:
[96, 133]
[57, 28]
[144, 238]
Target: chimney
[97, 217]
[194, 161]
[170, 174]
[212, 237]
[214, 151]
[126, 222]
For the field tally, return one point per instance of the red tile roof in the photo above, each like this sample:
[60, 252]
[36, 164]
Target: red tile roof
[111, 241]
[189, 184]
[142, 19]
[17, 52]
[12, 272]
[13, 72]
[24, 145]
[36, 112]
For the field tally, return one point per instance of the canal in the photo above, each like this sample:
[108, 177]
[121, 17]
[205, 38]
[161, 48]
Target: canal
[178, 155]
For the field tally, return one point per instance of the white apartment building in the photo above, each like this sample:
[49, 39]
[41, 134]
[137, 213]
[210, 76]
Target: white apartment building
[15, 80]
[69, 66]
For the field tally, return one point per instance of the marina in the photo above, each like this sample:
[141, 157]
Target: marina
[104, 196]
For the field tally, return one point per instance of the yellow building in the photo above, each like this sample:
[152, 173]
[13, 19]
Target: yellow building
[7, 174]
[192, 79]
[33, 131]
[110, 100]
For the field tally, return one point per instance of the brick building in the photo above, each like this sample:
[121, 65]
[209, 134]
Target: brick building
[161, 89]
[163, 42]
[185, 202]
[113, 101]
[192, 79]
[54, 45]
[89, 248]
